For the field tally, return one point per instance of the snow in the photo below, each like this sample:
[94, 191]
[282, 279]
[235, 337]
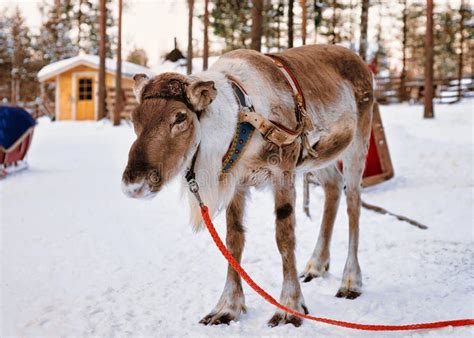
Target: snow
[128, 69]
[80, 259]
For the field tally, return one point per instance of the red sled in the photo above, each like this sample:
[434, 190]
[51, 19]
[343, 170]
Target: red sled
[12, 158]
[378, 164]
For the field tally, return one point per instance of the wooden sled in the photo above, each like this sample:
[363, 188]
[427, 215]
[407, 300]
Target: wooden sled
[16, 134]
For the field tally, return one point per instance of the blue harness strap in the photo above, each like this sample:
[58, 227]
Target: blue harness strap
[243, 132]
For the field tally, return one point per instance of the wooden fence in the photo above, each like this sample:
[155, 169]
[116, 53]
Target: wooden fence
[39, 107]
[129, 102]
[389, 89]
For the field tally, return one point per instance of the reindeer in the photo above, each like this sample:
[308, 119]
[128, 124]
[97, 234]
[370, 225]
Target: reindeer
[192, 119]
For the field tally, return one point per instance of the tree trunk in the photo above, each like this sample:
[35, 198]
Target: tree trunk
[278, 27]
[352, 24]
[102, 37]
[256, 33]
[118, 68]
[79, 18]
[462, 12]
[317, 6]
[333, 22]
[304, 14]
[14, 74]
[290, 23]
[428, 90]
[189, 68]
[205, 53]
[364, 18]
[402, 95]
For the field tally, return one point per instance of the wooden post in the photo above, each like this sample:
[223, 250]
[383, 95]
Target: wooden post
[278, 27]
[364, 18]
[118, 70]
[189, 67]
[462, 12]
[290, 23]
[102, 36]
[333, 22]
[428, 90]
[13, 90]
[304, 14]
[256, 33]
[205, 53]
[402, 95]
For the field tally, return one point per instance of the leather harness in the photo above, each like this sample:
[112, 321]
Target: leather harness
[272, 131]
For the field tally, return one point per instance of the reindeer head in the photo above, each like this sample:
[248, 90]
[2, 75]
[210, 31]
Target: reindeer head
[166, 122]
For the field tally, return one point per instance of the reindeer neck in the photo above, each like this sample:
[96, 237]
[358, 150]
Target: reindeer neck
[217, 124]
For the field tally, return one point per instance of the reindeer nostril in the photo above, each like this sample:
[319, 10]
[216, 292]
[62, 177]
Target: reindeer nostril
[138, 191]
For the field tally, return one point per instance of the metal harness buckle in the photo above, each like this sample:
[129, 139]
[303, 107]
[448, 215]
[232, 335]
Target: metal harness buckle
[193, 185]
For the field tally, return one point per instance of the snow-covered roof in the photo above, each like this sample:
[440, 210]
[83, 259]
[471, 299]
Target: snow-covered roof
[55, 68]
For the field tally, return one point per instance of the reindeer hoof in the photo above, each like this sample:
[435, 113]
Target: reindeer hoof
[348, 293]
[286, 318]
[308, 277]
[217, 319]
[311, 272]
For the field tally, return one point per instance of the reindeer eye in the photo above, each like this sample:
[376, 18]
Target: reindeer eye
[180, 117]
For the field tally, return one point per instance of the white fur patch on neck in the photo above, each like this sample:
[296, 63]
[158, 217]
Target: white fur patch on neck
[217, 128]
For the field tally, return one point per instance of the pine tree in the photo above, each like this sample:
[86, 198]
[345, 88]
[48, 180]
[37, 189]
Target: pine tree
[335, 22]
[415, 21]
[55, 41]
[429, 59]
[446, 25]
[257, 25]
[273, 28]
[290, 23]
[402, 94]
[110, 22]
[6, 53]
[205, 50]
[85, 17]
[382, 53]
[304, 17]
[364, 18]
[317, 13]
[189, 65]
[230, 20]
[21, 54]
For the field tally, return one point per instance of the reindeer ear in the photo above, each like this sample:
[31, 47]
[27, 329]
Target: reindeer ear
[141, 80]
[201, 93]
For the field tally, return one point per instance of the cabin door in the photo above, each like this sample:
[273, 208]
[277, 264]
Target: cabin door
[85, 98]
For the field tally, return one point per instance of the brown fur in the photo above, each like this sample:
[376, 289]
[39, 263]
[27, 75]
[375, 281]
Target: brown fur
[338, 90]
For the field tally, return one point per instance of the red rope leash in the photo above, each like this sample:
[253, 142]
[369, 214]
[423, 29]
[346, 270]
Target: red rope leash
[367, 327]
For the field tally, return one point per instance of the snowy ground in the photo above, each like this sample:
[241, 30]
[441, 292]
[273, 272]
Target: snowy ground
[79, 259]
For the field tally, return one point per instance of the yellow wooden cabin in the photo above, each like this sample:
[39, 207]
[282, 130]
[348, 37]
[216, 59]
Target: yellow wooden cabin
[75, 82]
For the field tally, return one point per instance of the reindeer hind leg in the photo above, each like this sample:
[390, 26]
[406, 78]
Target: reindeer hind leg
[318, 264]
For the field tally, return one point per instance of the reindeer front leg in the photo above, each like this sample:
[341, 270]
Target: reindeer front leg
[291, 295]
[232, 301]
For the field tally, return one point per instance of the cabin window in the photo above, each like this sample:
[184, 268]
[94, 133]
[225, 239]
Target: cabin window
[85, 89]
